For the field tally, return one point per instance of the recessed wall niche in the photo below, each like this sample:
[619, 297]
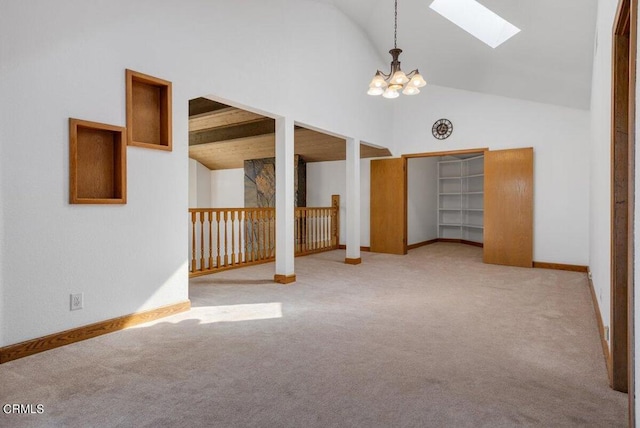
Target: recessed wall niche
[98, 163]
[148, 111]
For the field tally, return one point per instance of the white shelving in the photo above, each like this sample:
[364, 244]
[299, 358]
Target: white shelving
[461, 199]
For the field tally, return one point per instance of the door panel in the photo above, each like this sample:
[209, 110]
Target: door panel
[508, 206]
[388, 193]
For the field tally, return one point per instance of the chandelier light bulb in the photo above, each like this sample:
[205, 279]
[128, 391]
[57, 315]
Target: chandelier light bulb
[378, 81]
[399, 77]
[418, 81]
[411, 90]
[390, 93]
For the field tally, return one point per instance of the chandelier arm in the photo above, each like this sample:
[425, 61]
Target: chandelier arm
[385, 75]
[412, 73]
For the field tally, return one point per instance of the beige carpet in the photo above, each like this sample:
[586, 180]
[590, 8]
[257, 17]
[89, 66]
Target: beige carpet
[431, 339]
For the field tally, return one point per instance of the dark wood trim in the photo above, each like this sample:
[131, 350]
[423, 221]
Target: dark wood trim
[244, 130]
[622, 166]
[603, 340]
[633, 46]
[561, 266]
[41, 344]
[229, 267]
[344, 247]
[446, 153]
[284, 279]
[351, 261]
[421, 244]
[405, 201]
[461, 241]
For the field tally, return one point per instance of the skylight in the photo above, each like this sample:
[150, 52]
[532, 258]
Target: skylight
[476, 20]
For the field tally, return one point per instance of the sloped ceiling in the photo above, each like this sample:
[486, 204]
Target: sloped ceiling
[549, 61]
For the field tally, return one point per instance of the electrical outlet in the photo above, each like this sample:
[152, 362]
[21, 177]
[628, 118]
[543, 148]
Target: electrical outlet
[77, 300]
[589, 275]
[606, 333]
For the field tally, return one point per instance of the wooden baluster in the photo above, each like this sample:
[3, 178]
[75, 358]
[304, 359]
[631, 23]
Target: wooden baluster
[268, 243]
[255, 228]
[264, 234]
[335, 220]
[233, 237]
[321, 226]
[202, 240]
[323, 229]
[310, 229]
[210, 240]
[259, 233]
[305, 231]
[252, 231]
[246, 236]
[327, 227]
[226, 241]
[315, 229]
[193, 241]
[296, 230]
[218, 238]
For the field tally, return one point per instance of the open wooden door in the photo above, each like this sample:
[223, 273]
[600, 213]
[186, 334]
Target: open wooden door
[388, 197]
[508, 207]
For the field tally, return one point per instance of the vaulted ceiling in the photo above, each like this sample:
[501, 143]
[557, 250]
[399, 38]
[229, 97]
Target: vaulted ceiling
[549, 61]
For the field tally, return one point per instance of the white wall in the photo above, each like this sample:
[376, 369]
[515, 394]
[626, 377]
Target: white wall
[422, 199]
[227, 188]
[558, 135]
[134, 257]
[199, 185]
[329, 178]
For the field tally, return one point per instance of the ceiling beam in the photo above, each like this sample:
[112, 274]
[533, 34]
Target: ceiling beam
[219, 118]
[203, 105]
[250, 129]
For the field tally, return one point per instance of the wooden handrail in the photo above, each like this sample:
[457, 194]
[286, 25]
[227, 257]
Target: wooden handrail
[226, 238]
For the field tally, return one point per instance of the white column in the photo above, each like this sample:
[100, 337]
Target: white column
[285, 251]
[353, 201]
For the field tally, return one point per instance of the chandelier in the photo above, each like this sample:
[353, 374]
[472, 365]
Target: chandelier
[388, 85]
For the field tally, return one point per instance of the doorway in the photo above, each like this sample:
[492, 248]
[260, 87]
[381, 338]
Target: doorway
[621, 369]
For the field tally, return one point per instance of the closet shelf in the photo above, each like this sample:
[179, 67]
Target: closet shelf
[460, 199]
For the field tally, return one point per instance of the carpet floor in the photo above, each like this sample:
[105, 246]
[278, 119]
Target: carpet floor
[435, 338]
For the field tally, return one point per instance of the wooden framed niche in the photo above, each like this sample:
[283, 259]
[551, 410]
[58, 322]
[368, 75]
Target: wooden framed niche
[98, 163]
[148, 111]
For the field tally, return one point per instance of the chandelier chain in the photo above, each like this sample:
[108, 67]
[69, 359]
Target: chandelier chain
[395, 27]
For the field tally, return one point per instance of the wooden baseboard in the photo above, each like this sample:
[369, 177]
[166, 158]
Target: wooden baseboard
[35, 346]
[603, 340]
[344, 247]
[560, 266]
[421, 244]
[284, 279]
[461, 241]
[356, 261]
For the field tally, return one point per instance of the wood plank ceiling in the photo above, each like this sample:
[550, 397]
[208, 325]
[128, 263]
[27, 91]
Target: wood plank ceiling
[223, 137]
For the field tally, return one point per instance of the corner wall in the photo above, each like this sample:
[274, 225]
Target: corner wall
[422, 199]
